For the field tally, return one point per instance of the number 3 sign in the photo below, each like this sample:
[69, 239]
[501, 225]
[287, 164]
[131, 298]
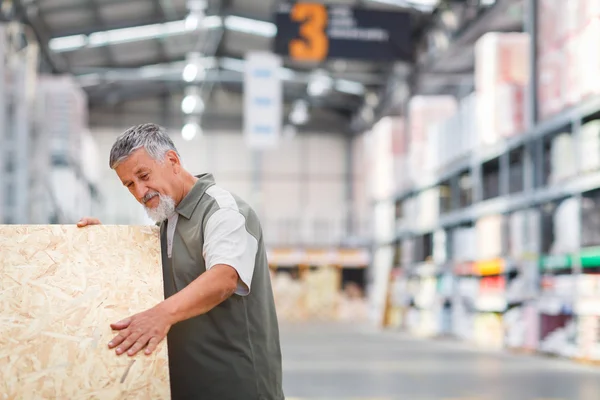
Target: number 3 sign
[314, 44]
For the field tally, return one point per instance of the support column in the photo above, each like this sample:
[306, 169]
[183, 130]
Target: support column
[531, 27]
[3, 125]
[349, 188]
[21, 129]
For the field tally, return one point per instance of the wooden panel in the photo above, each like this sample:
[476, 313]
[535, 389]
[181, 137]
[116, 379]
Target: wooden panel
[60, 288]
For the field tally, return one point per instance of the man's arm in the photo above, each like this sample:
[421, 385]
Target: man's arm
[203, 294]
[150, 327]
[229, 252]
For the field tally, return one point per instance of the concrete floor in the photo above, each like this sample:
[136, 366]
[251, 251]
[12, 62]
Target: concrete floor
[350, 362]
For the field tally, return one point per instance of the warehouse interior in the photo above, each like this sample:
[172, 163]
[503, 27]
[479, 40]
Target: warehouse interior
[426, 172]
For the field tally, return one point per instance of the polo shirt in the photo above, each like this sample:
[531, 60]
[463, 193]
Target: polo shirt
[233, 351]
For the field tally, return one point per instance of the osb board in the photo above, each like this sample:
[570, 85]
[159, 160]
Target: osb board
[60, 289]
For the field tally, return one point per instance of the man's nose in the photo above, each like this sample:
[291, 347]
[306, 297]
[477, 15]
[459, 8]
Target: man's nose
[140, 192]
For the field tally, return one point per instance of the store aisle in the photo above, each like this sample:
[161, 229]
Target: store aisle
[350, 362]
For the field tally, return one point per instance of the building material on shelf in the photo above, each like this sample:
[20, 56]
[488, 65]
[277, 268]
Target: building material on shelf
[424, 112]
[316, 294]
[588, 339]
[562, 158]
[501, 74]
[521, 328]
[428, 207]
[464, 244]
[452, 138]
[589, 148]
[566, 227]
[489, 237]
[568, 68]
[523, 238]
[590, 219]
[558, 335]
[62, 287]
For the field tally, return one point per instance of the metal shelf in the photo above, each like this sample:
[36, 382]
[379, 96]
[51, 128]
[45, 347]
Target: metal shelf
[488, 153]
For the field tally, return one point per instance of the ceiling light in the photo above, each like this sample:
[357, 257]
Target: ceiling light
[196, 5]
[367, 115]
[67, 43]
[299, 114]
[190, 131]
[252, 26]
[372, 99]
[422, 5]
[192, 21]
[320, 83]
[193, 72]
[350, 87]
[190, 72]
[192, 104]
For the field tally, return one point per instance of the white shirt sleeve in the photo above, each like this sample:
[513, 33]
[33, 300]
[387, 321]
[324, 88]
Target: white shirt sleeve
[226, 241]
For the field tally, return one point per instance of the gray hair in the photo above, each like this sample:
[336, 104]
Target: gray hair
[153, 138]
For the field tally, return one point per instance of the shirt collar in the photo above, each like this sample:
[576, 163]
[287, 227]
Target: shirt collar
[188, 204]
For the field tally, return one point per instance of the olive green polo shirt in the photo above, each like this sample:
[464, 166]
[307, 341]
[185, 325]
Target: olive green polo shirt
[232, 352]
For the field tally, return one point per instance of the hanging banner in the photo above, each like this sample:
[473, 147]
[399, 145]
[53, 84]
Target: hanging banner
[316, 32]
[263, 100]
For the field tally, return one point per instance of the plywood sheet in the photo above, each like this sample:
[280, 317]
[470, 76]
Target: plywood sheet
[60, 289]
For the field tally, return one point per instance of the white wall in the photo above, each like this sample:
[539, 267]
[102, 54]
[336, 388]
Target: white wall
[295, 189]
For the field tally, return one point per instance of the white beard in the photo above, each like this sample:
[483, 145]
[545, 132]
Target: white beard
[164, 209]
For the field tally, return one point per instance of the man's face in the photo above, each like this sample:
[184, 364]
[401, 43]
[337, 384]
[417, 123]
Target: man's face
[152, 183]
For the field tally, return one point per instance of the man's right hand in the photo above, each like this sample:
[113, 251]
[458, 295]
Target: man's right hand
[86, 221]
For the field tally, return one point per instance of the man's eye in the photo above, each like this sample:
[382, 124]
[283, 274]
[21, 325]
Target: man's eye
[144, 177]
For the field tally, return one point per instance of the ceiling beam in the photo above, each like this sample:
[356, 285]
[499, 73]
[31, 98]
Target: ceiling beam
[172, 71]
[80, 6]
[31, 16]
[112, 92]
[164, 9]
[110, 25]
[141, 21]
[212, 121]
[99, 22]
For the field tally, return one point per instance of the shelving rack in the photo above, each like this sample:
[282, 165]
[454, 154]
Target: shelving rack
[536, 298]
[18, 71]
[29, 130]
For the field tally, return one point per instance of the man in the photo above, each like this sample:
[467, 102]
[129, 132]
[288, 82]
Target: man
[218, 314]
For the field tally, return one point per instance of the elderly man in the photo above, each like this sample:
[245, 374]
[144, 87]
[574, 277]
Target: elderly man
[218, 314]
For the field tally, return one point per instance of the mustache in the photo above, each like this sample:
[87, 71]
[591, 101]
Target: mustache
[149, 196]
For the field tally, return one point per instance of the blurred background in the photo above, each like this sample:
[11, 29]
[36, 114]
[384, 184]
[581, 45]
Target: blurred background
[422, 169]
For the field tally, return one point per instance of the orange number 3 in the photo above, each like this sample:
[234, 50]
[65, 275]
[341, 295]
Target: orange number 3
[314, 44]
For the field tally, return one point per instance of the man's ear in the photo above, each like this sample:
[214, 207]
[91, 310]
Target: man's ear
[173, 159]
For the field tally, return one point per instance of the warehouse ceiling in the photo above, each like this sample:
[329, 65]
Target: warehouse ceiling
[132, 54]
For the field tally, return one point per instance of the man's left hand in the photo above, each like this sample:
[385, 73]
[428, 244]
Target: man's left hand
[146, 329]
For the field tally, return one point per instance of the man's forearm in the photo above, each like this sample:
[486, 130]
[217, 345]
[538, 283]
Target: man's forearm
[202, 295]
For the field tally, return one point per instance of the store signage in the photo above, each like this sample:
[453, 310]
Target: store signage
[347, 258]
[590, 257]
[490, 267]
[316, 32]
[554, 262]
[465, 268]
[263, 98]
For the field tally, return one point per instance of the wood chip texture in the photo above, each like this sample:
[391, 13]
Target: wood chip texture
[60, 289]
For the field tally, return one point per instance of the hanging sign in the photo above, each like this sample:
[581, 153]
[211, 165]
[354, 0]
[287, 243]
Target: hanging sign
[262, 100]
[316, 32]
